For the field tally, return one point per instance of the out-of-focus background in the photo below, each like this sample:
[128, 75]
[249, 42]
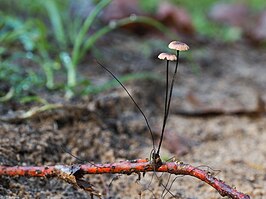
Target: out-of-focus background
[54, 96]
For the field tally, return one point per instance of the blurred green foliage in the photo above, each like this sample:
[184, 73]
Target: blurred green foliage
[42, 29]
[41, 39]
[48, 35]
[149, 5]
[199, 14]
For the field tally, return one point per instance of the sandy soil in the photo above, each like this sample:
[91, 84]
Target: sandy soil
[217, 122]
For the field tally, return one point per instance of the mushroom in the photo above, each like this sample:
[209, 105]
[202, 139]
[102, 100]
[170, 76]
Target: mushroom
[168, 57]
[178, 46]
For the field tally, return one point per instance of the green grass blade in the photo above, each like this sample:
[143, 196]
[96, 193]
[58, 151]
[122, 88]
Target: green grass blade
[8, 95]
[84, 29]
[56, 20]
[71, 71]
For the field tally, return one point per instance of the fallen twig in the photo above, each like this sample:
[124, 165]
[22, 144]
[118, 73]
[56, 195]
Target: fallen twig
[73, 174]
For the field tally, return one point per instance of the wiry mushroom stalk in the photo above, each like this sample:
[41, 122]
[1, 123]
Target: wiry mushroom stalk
[178, 46]
[133, 100]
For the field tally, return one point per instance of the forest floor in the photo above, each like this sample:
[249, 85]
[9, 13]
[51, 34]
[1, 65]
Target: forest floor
[217, 122]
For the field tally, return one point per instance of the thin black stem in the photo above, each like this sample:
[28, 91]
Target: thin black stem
[142, 113]
[168, 103]
[166, 99]
[166, 90]
[172, 84]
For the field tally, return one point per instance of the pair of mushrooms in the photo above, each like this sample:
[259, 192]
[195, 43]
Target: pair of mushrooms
[178, 46]
[174, 45]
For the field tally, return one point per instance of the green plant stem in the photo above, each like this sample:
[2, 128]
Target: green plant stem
[71, 74]
[49, 73]
[8, 96]
[84, 29]
[71, 69]
[55, 18]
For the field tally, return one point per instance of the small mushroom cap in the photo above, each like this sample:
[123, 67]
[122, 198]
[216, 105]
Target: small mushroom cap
[177, 45]
[169, 57]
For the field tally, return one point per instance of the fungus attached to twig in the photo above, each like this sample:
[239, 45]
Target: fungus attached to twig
[178, 46]
[168, 57]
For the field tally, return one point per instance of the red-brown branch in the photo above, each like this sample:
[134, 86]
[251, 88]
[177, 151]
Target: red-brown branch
[73, 174]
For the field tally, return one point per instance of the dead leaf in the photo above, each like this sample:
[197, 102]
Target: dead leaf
[256, 32]
[175, 17]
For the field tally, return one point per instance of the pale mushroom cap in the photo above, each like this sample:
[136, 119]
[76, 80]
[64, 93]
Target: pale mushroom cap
[169, 57]
[177, 45]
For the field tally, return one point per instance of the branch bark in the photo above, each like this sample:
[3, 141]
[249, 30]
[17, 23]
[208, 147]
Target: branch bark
[73, 174]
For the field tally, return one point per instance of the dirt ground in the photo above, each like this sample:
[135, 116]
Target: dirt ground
[217, 122]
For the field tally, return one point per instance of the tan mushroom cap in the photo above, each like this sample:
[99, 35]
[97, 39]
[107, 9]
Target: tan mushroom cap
[169, 57]
[177, 45]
